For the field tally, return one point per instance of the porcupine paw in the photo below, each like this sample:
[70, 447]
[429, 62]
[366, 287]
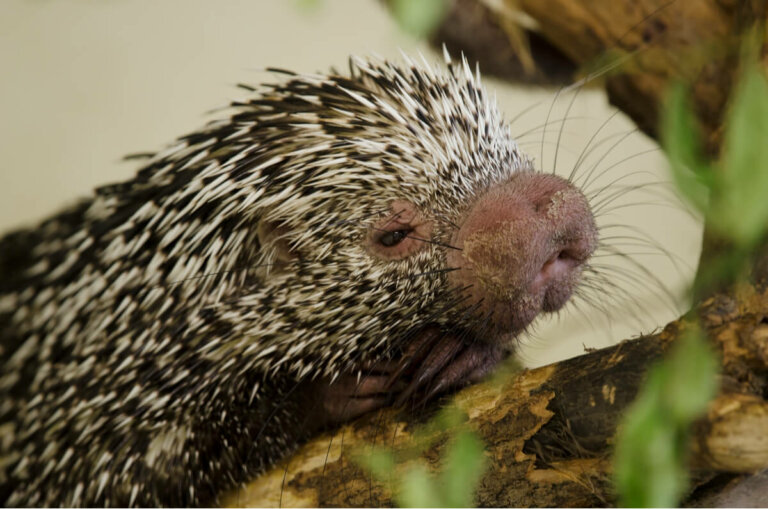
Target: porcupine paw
[433, 363]
[350, 396]
[438, 362]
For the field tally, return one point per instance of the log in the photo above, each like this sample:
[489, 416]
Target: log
[549, 431]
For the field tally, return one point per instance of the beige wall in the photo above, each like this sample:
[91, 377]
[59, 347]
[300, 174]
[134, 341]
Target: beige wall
[85, 82]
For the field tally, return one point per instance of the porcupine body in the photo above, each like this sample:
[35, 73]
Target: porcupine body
[154, 336]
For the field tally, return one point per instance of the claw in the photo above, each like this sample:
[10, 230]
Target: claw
[440, 356]
[452, 363]
[416, 353]
[433, 363]
[472, 365]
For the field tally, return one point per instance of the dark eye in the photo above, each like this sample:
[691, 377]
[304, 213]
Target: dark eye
[389, 239]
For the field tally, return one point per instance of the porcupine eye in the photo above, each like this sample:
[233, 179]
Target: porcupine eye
[402, 232]
[389, 239]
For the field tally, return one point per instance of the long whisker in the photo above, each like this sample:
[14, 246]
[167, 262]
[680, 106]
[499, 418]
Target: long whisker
[592, 150]
[562, 125]
[546, 122]
[673, 257]
[647, 239]
[589, 142]
[592, 194]
[622, 161]
[591, 171]
[542, 127]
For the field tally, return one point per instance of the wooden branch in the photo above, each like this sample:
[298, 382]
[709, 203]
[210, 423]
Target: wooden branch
[644, 43]
[548, 431]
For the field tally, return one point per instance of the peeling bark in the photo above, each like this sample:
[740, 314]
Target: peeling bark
[549, 431]
[640, 46]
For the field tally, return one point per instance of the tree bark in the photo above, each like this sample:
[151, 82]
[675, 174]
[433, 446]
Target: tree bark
[549, 431]
[638, 46]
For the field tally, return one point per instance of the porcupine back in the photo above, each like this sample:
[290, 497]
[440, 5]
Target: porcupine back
[135, 350]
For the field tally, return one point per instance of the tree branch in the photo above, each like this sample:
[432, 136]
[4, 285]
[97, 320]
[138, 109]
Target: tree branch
[548, 431]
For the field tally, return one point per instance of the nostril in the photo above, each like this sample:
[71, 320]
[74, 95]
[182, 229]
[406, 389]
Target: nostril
[551, 260]
[558, 265]
[568, 255]
[550, 269]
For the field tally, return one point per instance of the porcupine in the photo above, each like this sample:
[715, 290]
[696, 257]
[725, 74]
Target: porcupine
[342, 240]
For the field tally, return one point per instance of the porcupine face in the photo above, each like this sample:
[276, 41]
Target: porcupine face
[426, 213]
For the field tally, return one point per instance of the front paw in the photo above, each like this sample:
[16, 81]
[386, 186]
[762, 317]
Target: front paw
[434, 362]
[437, 362]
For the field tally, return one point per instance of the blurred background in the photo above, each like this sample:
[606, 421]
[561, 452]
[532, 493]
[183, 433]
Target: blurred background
[86, 82]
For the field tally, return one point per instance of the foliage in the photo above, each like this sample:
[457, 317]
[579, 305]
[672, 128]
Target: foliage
[737, 207]
[419, 17]
[412, 484]
[651, 457]
[740, 201]
[651, 452]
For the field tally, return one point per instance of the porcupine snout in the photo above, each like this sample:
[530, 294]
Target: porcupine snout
[522, 247]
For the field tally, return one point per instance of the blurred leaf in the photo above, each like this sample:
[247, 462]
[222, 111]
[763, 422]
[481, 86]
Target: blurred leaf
[741, 212]
[380, 462]
[308, 5]
[650, 461]
[419, 17]
[692, 377]
[721, 270]
[681, 143]
[463, 468]
[417, 489]
[462, 465]
[644, 457]
[449, 418]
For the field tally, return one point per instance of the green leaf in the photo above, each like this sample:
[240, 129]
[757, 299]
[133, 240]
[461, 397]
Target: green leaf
[650, 459]
[681, 143]
[448, 418]
[462, 465]
[463, 468]
[419, 17]
[645, 458]
[417, 489]
[308, 5]
[741, 212]
[692, 371]
[380, 462]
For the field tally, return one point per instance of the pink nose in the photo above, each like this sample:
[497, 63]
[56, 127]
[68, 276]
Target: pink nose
[522, 247]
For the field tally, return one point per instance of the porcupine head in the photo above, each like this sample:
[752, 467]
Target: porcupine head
[350, 240]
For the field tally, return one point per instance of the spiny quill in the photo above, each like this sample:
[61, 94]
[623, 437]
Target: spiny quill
[176, 333]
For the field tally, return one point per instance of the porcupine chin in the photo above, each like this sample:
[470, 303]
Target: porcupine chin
[163, 340]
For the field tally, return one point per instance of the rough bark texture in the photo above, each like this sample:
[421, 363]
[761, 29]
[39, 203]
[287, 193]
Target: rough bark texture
[549, 431]
[637, 45]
